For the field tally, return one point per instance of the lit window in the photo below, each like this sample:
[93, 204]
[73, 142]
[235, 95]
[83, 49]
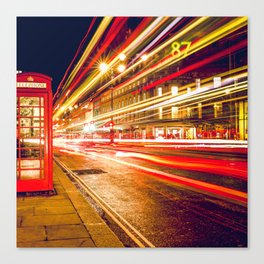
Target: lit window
[218, 109]
[159, 91]
[174, 112]
[199, 110]
[217, 82]
[198, 83]
[174, 90]
[160, 112]
[188, 112]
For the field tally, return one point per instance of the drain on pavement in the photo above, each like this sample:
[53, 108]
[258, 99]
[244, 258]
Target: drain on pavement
[91, 171]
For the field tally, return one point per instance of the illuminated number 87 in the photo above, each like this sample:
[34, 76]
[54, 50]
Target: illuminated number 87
[176, 48]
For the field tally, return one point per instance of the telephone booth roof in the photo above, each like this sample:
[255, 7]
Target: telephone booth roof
[33, 77]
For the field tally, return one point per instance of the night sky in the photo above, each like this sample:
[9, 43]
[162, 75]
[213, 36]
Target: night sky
[47, 45]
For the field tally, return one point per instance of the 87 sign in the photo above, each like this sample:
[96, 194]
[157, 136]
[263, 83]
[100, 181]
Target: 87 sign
[176, 48]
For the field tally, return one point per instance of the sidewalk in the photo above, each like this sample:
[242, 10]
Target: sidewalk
[62, 220]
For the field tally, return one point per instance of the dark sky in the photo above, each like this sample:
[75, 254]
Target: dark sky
[48, 44]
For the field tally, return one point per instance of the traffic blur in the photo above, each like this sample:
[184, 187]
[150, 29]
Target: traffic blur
[199, 166]
[171, 206]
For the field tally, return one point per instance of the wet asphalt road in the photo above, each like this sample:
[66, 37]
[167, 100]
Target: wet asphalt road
[166, 213]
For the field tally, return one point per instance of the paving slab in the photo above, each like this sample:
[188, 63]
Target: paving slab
[29, 234]
[64, 219]
[47, 210]
[25, 210]
[66, 232]
[44, 220]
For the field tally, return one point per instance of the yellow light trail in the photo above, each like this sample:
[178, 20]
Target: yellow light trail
[155, 51]
[209, 39]
[197, 99]
[217, 34]
[86, 84]
[92, 80]
[180, 98]
[149, 102]
[145, 34]
[97, 35]
[157, 100]
[202, 92]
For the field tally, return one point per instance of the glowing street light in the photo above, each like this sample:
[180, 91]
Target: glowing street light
[144, 57]
[122, 56]
[103, 67]
[121, 68]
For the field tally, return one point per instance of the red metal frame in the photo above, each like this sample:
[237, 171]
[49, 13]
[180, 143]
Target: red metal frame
[28, 86]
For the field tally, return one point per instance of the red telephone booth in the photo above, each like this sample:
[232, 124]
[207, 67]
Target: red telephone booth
[34, 132]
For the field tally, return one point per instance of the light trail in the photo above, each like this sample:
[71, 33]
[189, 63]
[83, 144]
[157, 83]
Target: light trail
[138, 76]
[148, 32]
[95, 78]
[236, 169]
[200, 146]
[202, 142]
[199, 64]
[162, 26]
[196, 95]
[97, 35]
[169, 96]
[231, 194]
[223, 31]
[202, 93]
[82, 89]
[114, 30]
[155, 100]
[77, 52]
[151, 44]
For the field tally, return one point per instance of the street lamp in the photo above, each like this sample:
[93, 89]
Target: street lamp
[122, 56]
[103, 68]
[144, 57]
[121, 68]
